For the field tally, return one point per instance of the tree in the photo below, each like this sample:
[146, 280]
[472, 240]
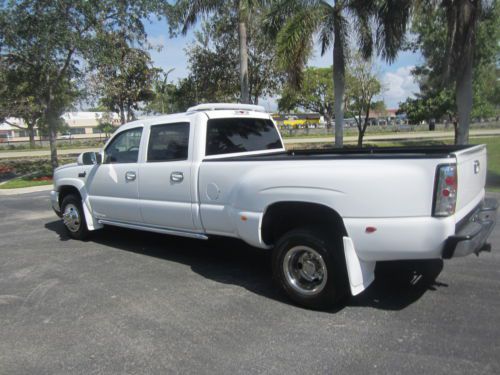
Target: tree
[362, 86]
[17, 99]
[124, 76]
[378, 24]
[186, 12]
[459, 40]
[163, 91]
[52, 39]
[213, 58]
[106, 125]
[315, 94]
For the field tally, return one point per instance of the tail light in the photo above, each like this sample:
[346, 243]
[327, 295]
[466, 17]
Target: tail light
[445, 195]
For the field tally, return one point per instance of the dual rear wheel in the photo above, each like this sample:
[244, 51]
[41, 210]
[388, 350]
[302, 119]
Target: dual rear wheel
[310, 267]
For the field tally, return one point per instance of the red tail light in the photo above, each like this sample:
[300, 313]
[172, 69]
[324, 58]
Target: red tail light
[445, 194]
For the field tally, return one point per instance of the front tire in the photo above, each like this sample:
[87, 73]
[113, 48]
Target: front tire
[310, 267]
[74, 217]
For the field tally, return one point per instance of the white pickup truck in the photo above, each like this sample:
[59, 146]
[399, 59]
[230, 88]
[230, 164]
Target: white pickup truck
[328, 216]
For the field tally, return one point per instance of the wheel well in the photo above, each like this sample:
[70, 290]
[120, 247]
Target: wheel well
[282, 217]
[65, 191]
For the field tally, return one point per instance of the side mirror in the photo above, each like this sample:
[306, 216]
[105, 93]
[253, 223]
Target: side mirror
[89, 158]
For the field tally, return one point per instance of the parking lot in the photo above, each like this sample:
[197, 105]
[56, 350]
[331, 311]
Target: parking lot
[129, 302]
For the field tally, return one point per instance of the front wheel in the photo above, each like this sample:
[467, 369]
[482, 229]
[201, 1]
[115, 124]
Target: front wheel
[310, 267]
[74, 218]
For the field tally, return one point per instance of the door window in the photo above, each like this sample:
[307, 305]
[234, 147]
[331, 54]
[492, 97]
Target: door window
[168, 142]
[124, 148]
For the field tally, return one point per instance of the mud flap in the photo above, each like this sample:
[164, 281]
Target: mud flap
[361, 274]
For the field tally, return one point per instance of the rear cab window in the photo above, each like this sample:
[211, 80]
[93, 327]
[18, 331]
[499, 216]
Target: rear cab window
[239, 135]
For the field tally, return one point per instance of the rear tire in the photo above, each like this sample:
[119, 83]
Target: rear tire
[74, 217]
[310, 267]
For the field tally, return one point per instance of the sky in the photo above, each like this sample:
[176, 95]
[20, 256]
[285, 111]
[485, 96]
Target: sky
[396, 78]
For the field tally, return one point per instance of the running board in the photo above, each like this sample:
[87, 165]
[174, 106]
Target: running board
[148, 228]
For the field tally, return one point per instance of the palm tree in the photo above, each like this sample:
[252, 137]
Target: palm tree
[378, 25]
[190, 10]
[463, 17]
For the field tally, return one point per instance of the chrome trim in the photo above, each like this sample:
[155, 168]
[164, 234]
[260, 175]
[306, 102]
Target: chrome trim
[155, 229]
[130, 176]
[305, 270]
[176, 176]
[71, 218]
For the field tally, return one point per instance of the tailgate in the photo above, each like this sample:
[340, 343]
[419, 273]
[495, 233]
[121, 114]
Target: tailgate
[471, 169]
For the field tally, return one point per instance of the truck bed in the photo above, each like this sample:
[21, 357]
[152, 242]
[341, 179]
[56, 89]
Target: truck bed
[421, 152]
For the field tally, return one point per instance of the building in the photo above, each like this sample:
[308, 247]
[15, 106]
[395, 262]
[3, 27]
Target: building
[88, 122]
[80, 125]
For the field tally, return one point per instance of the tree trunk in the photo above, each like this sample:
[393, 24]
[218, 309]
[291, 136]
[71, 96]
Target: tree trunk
[53, 144]
[31, 134]
[338, 85]
[464, 104]
[242, 31]
[361, 134]
[123, 120]
[328, 119]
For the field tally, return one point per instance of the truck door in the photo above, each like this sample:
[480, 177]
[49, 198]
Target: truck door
[165, 177]
[113, 185]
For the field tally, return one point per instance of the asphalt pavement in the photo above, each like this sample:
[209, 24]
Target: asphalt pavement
[129, 302]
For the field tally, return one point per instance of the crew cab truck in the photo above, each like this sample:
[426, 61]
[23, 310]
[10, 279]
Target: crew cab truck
[327, 216]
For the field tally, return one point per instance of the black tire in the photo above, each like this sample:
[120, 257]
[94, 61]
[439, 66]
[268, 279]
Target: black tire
[301, 275]
[75, 223]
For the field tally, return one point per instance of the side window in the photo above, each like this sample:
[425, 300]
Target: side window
[168, 142]
[124, 148]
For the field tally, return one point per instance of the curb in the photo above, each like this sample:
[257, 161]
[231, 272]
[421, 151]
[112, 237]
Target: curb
[32, 189]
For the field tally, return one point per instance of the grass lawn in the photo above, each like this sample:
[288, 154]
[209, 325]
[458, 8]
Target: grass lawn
[22, 182]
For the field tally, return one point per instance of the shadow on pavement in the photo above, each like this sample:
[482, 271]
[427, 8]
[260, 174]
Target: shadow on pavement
[230, 261]
[398, 284]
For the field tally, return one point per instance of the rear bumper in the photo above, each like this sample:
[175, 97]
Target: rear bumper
[472, 233]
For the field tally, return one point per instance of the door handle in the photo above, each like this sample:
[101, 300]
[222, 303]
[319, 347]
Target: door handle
[130, 176]
[176, 177]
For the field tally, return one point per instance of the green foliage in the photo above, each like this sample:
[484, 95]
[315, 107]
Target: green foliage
[377, 25]
[214, 58]
[315, 93]
[106, 124]
[163, 93]
[425, 108]
[49, 41]
[362, 86]
[242, 13]
[124, 76]
[456, 38]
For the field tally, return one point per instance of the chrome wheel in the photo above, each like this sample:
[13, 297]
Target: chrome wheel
[71, 217]
[305, 270]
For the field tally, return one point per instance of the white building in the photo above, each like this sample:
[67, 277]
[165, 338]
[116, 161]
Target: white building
[81, 125]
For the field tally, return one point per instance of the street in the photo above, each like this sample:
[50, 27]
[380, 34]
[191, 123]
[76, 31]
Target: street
[130, 302]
